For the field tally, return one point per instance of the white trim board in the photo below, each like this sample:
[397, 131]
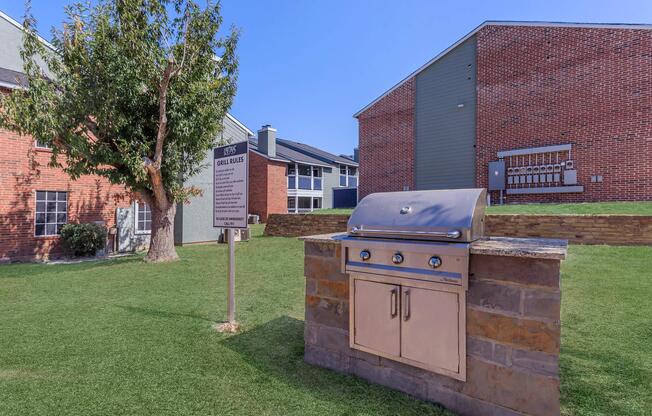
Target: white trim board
[242, 126]
[534, 150]
[503, 23]
[547, 190]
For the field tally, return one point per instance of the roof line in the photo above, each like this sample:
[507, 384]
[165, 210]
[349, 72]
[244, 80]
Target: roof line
[239, 123]
[19, 26]
[275, 159]
[286, 159]
[503, 23]
[293, 145]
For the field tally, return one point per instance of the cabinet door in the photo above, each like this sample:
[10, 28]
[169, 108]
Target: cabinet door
[430, 327]
[377, 323]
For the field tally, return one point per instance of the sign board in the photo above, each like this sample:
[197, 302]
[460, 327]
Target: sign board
[230, 185]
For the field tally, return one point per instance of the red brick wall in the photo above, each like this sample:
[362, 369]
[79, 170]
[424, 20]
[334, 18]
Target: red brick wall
[386, 143]
[592, 88]
[277, 188]
[539, 86]
[23, 171]
[267, 186]
[257, 184]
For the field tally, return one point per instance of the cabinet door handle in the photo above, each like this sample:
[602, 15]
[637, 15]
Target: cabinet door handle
[393, 306]
[406, 305]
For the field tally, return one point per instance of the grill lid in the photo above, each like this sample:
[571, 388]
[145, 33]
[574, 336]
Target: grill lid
[443, 215]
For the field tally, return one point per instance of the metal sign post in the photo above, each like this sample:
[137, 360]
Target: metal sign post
[230, 209]
[230, 310]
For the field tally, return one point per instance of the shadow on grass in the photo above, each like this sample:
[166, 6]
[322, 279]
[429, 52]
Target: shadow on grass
[24, 270]
[161, 314]
[600, 383]
[276, 348]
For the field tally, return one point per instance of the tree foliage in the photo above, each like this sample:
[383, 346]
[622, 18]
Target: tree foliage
[133, 90]
[112, 65]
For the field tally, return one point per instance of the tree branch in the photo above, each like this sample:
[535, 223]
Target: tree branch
[160, 194]
[185, 45]
[90, 124]
[162, 112]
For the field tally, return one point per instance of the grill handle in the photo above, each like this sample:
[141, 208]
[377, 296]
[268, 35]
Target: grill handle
[393, 306]
[406, 304]
[448, 234]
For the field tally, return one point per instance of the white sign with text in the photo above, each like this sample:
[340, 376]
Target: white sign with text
[230, 185]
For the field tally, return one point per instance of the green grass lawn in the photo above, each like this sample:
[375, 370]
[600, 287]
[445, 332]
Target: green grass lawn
[333, 211]
[126, 338]
[608, 208]
[587, 208]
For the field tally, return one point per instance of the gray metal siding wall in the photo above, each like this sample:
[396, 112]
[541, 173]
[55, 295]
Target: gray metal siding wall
[233, 133]
[11, 42]
[197, 217]
[445, 134]
[330, 180]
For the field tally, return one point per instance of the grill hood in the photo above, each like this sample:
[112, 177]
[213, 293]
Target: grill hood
[441, 215]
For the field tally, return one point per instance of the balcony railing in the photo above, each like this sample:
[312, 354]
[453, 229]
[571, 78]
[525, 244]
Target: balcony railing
[305, 182]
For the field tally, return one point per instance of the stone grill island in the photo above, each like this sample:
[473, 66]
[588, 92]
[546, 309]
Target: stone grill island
[493, 351]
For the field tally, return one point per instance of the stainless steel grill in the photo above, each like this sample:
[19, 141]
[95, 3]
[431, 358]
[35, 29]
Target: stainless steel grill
[445, 215]
[407, 255]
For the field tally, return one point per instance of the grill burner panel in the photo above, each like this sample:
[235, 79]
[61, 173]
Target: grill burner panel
[375, 256]
[407, 256]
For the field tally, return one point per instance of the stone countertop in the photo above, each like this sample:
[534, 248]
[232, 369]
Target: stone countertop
[542, 248]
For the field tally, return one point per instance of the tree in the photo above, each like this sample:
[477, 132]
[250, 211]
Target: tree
[134, 92]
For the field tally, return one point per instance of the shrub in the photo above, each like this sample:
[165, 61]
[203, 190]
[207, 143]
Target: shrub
[83, 239]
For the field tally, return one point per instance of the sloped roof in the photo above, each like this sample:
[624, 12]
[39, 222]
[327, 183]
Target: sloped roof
[11, 79]
[287, 154]
[504, 23]
[316, 153]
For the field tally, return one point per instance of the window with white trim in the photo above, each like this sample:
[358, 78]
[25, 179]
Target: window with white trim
[143, 216]
[51, 212]
[348, 176]
[353, 177]
[42, 144]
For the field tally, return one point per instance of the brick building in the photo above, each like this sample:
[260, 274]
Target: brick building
[566, 110]
[286, 176]
[36, 200]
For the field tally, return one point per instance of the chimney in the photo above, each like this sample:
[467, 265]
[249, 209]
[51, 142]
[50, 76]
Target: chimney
[267, 140]
[356, 154]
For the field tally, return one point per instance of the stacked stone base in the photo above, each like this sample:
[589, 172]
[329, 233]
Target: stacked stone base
[513, 336]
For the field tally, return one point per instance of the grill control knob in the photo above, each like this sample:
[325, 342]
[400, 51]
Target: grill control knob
[397, 258]
[365, 255]
[434, 262]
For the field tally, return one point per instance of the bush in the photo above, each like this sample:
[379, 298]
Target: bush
[83, 239]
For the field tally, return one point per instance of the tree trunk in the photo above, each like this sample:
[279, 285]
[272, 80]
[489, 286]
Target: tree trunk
[161, 245]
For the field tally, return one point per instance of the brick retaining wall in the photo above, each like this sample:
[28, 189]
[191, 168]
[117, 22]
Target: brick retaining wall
[579, 229]
[296, 225]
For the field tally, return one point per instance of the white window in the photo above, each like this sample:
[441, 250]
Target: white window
[305, 203]
[292, 204]
[292, 177]
[343, 181]
[353, 178]
[316, 203]
[41, 144]
[51, 212]
[348, 176]
[143, 216]
[316, 178]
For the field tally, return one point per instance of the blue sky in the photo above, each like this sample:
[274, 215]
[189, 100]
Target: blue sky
[307, 65]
